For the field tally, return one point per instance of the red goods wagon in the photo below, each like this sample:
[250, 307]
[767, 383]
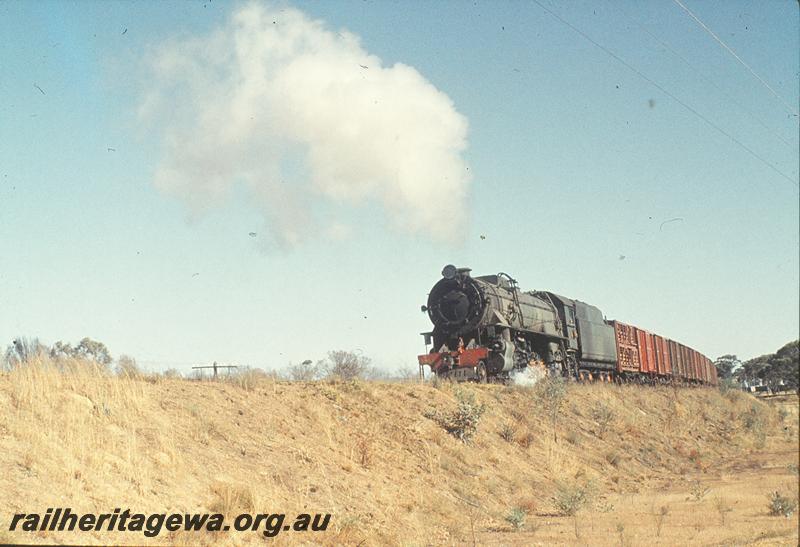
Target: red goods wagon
[693, 374]
[667, 357]
[640, 351]
[627, 348]
[701, 362]
[646, 356]
[701, 373]
[687, 364]
[674, 359]
[662, 356]
[691, 371]
[701, 369]
[697, 366]
[684, 363]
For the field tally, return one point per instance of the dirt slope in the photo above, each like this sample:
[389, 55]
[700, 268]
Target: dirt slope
[639, 465]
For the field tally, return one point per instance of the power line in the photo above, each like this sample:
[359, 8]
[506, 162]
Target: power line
[789, 108]
[667, 93]
[704, 77]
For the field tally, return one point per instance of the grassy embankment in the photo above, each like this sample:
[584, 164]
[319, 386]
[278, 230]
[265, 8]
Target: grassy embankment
[619, 465]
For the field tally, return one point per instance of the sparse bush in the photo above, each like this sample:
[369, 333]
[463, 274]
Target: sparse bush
[507, 432]
[755, 421]
[247, 378]
[603, 415]
[463, 422]
[516, 518]
[572, 497]
[698, 491]
[304, 372]
[551, 393]
[781, 506]
[127, 367]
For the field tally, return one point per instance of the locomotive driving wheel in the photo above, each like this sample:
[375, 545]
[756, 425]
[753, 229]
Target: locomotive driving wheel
[481, 376]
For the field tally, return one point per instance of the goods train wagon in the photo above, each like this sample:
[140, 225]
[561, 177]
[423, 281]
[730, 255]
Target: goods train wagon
[645, 355]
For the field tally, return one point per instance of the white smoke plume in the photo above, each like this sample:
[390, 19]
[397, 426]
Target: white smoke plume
[310, 123]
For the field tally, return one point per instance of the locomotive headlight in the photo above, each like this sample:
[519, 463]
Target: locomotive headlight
[449, 272]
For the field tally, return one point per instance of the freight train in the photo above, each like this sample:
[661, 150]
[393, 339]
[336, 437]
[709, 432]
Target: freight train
[486, 329]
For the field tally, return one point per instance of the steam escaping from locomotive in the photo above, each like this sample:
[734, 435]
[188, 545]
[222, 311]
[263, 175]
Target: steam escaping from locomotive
[527, 377]
[310, 124]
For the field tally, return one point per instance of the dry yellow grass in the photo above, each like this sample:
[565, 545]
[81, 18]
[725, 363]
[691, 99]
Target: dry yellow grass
[664, 466]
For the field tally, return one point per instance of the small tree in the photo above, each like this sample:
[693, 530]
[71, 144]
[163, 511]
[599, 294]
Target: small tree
[346, 365]
[21, 350]
[94, 350]
[726, 365]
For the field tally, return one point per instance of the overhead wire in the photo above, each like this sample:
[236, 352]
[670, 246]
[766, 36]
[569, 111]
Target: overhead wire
[667, 93]
[789, 108]
[704, 77]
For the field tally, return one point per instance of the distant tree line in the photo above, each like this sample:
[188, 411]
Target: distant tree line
[337, 365]
[773, 369]
[24, 350]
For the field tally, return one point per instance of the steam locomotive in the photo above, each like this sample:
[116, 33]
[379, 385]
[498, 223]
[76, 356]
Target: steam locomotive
[486, 329]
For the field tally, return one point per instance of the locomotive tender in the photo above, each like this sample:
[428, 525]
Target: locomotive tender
[485, 328]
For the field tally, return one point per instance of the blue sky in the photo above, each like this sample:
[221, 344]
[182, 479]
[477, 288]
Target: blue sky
[575, 161]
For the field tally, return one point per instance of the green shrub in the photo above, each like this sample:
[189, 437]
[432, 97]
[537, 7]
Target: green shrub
[780, 505]
[463, 422]
[516, 517]
[572, 497]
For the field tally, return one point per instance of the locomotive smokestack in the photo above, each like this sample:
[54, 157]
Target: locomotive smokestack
[450, 271]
